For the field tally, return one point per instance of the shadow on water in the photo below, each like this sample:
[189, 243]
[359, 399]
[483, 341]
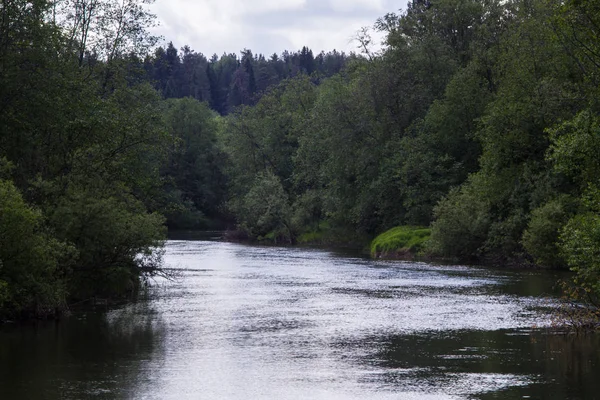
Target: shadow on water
[192, 235]
[504, 364]
[89, 355]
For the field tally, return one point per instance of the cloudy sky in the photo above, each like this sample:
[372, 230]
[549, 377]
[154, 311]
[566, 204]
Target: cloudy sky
[267, 26]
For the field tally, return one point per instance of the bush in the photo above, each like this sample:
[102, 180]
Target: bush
[540, 239]
[461, 225]
[30, 281]
[402, 240]
[265, 211]
[116, 239]
[580, 245]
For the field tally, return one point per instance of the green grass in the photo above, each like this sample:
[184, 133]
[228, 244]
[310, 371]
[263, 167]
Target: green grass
[317, 235]
[328, 234]
[311, 237]
[400, 240]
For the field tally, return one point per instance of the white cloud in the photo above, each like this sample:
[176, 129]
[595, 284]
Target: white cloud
[347, 5]
[262, 6]
[266, 26]
[325, 34]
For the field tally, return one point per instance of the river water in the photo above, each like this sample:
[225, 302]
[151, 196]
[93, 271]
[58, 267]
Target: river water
[243, 322]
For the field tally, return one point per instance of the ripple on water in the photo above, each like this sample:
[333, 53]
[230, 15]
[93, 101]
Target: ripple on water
[304, 322]
[243, 322]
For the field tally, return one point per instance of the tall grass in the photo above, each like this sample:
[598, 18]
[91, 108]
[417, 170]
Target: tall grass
[401, 240]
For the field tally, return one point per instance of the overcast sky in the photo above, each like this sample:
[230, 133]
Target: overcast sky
[267, 26]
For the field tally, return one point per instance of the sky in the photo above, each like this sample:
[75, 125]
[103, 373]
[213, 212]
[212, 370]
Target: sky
[268, 26]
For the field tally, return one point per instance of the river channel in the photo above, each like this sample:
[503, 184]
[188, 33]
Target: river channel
[245, 322]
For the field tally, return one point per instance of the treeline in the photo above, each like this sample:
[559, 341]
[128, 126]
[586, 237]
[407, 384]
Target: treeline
[105, 143]
[91, 157]
[229, 81]
[479, 119]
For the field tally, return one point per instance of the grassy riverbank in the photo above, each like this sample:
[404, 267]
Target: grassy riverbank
[400, 242]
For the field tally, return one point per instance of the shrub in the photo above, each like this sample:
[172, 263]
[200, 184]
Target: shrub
[399, 241]
[540, 239]
[29, 260]
[461, 225]
[116, 239]
[580, 245]
[265, 211]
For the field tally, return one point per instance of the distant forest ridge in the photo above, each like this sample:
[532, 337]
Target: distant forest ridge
[230, 80]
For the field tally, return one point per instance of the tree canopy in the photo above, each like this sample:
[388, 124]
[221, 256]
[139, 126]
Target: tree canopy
[478, 119]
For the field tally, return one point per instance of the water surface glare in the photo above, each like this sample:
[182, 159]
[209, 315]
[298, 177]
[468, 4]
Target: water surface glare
[245, 322]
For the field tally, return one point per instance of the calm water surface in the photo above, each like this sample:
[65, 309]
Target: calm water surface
[246, 322]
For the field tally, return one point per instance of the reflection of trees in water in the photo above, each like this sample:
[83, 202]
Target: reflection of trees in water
[567, 366]
[539, 364]
[93, 354]
[574, 359]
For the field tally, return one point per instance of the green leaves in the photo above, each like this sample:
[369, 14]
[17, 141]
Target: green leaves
[574, 153]
[110, 229]
[108, 29]
[83, 144]
[265, 210]
[574, 149]
[194, 181]
[30, 268]
[580, 244]
[462, 222]
[541, 238]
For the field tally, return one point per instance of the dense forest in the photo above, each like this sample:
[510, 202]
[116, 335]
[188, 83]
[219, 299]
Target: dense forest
[477, 126]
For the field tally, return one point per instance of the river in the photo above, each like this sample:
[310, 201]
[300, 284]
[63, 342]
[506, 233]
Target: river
[244, 322]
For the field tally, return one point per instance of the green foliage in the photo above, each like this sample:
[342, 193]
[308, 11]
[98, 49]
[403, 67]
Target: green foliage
[442, 152]
[464, 89]
[114, 236]
[575, 145]
[326, 233]
[30, 269]
[479, 118]
[312, 237]
[338, 156]
[6, 168]
[181, 214]
[265, 211]
[401, 240]
[540, 239]
[307, 210]
[580, 244]
[461, 224]
[265, 137]
[194, 181]
[83, 141]
[535, 86]
[317, 234]
[574, 153]
[260, 143]
[577, 23]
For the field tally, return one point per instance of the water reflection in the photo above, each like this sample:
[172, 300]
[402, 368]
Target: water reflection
[488, 364]
[249, 322]
[90, 355]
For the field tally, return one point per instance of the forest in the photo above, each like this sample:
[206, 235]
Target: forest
[475, 128]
